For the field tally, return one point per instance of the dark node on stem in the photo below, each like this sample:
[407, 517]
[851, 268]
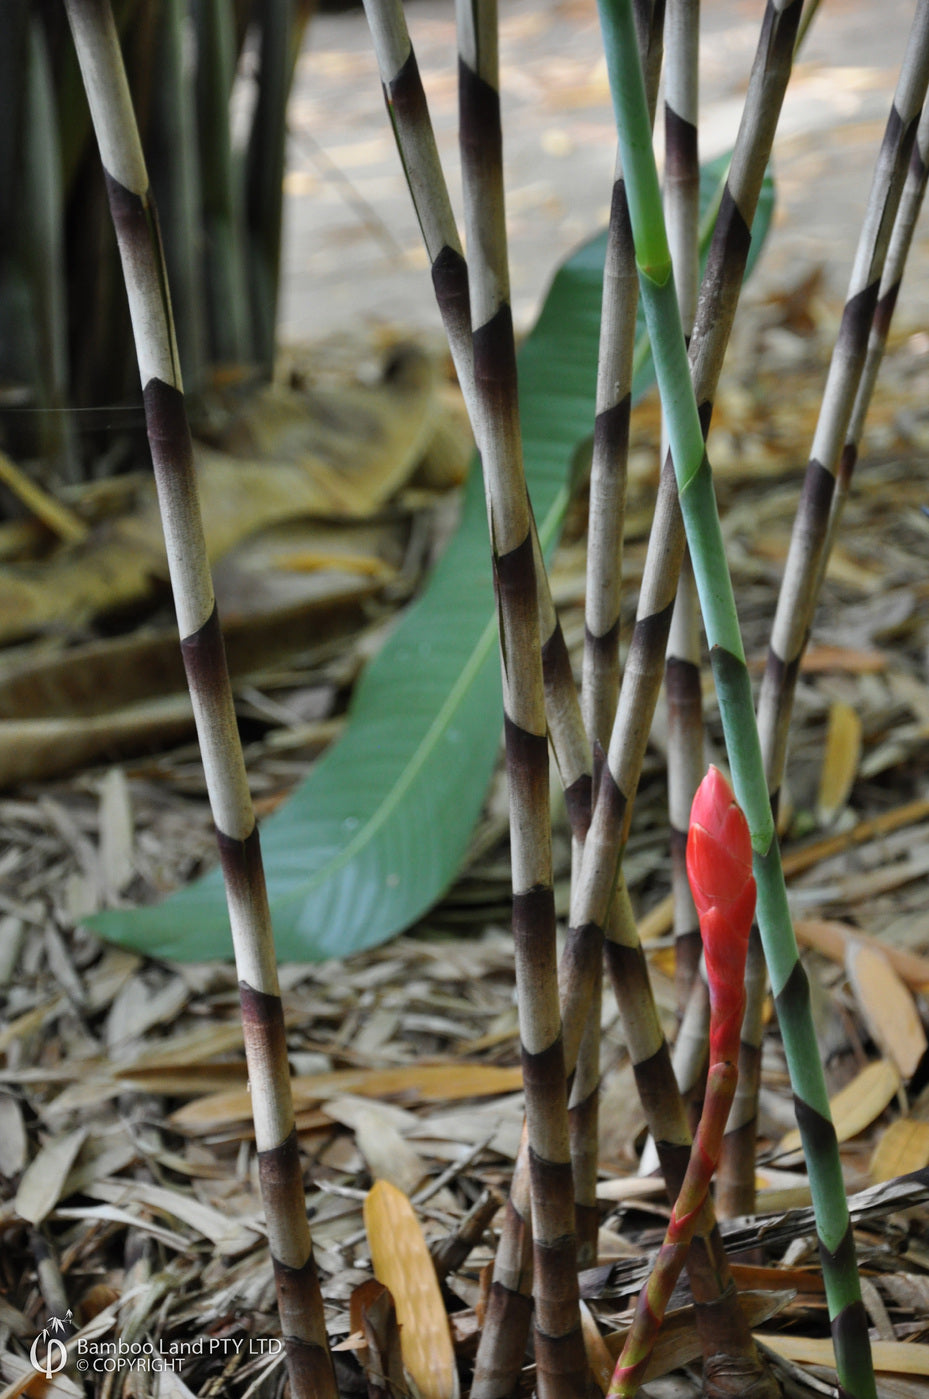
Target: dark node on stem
[405, 94]
[310, 1367]
[884, 310]
[243, 872]
[728, 254]
[479, 116]
[857, 316]
[611, 799]
[620, 222]
[291, 1281]
[583, 950]
[605, 646]
[781, 675]
[611, 431]
[450, 282]
[128, 211]
[533, 918]
[544, 1080]
[556, 662]
[526, 769]
[168, 431]
[507, 1317]
[848, 460]
[680, 145]
[578, 799]
[650, 634]
[897, 138]
[204, 655]
[514, 578]
[794, 999]
[495, 357]
[263, 1024]
[682, 686]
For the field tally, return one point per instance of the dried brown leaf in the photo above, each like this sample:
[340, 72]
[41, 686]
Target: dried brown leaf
[435, 1082]
[887, 1006]
[831, 938]
[840, 761]
[14, 1147]
[902, 1147]
[402, 1262]
[43, 1182]
[898, 1357]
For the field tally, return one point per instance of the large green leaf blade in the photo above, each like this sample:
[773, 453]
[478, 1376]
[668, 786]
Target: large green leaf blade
[377, 832]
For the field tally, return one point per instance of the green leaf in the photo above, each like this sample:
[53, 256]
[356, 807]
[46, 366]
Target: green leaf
[377, 832]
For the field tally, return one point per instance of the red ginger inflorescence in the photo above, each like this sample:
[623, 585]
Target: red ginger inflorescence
[719, 867]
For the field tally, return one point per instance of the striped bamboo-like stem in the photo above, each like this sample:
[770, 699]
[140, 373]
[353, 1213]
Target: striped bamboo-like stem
[583, 1122]
[685, 765]
[224, 268]
[600, 684]
[645, 661]
[136, 224]
[415, 137]
[682, 666]
[853, 370]
[698, 505]
[644, 668]
[600, 672]
[689, 1062]
[796, 601]
[719, 859]
[506, 1327]
[560, 1358]
[911, 201]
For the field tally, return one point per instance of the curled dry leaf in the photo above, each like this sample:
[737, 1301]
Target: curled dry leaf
[902, 1148]
[402, 1262]
[14, 1147]
[897, 1357]
[840, 761]
[887, 1006]
[41, 1186]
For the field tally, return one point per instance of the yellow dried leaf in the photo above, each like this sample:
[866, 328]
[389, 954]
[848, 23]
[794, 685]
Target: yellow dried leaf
[41, 1186]
[831, 938]
[895, 1357]
[840, 763]
[402, 1262]
[599, 1359]
[904, 1147]
[887, 1006]
[857, 1105]
[438, 1082]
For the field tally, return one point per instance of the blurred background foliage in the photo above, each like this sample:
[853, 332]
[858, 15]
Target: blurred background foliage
[210, 80]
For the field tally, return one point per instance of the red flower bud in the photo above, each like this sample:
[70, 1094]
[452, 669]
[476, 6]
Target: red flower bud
[719, 867]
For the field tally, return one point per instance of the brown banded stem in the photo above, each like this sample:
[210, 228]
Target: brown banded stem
[852, 372]
[136, 223]
[682, 666]
[561, 1365]
[797, 600]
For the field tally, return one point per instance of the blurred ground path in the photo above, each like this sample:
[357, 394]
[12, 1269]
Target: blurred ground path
[352, 247]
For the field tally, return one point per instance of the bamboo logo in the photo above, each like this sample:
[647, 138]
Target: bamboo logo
[56, 1351]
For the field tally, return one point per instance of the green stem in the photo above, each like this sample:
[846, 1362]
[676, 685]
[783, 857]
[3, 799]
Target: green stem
[279, 1167]
[704, 536]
